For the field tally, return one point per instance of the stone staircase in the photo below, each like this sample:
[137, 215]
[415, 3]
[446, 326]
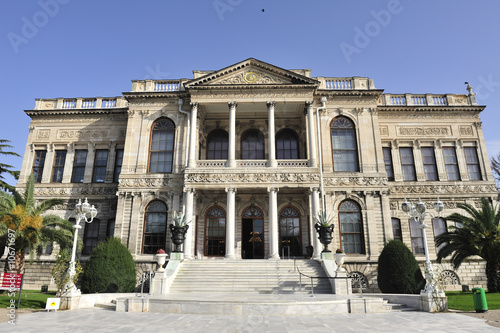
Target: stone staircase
[249, 276]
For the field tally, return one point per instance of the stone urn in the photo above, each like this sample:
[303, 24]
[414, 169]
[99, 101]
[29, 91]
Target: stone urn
[324, 235]
[339, 260]
[160, 260]
[178, 236]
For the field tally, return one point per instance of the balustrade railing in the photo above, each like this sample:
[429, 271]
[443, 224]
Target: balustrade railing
[166, 85]
[252, 163]
[109, 103]
[417, 100]
[211, 164]
[398, 100]
[69, 104]
[293, 163]
[339, 83]
[88, 103]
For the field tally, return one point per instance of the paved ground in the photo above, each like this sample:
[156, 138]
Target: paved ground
[102, 320]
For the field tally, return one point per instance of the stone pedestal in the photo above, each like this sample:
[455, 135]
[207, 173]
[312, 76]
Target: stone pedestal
[70, 303]
[341, 285]
[162, 280]
[429, 303]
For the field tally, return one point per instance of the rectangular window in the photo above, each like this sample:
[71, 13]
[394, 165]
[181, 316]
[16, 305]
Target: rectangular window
[396, 229]
[79, 166]
[38, 164]
[388, 162]
[58, 167]
[100, 162]
[91, 236]
[407, 164]
[472, 163]
[118, 165]
[417, 238]
[439, 227]
[451, 163]
[429, 160]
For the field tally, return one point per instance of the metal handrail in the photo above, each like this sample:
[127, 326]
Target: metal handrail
[318, 277]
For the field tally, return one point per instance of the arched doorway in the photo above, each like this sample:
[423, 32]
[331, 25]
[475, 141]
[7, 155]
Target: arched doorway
[290, 244]
[252, 229]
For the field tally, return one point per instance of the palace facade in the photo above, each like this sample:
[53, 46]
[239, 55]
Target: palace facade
[251, 153]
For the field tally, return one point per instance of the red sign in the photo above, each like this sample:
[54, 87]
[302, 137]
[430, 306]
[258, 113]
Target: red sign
[10, 280]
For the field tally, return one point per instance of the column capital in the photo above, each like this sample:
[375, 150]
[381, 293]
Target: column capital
[194, 105]
[232, 105]
[189, 190]
[231, 189]
[309, 104]
[273, 189]
[271, 104]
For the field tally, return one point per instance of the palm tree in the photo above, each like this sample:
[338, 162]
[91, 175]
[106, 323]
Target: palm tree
[5, 168]
[478, 235]
[21, 216]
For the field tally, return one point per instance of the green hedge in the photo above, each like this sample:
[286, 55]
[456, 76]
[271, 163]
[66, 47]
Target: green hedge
[110, 269]
[398, 270]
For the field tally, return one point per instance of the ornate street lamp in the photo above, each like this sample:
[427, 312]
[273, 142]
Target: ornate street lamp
[418, 213]
[85, 212]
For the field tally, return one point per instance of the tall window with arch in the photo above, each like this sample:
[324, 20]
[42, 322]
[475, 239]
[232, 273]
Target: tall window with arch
[217, 145]
[155, 227]
[351, 227]
[215, 233]
[161, 148]
[287, 145]
[252, 145]
[290, 244]
[344, 145]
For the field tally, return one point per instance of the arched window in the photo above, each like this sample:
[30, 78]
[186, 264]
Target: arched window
[155, 227]
[344, 146]
[252, 145]
[215, 235]
[351, 227]
[217, 145]
[287, 145]
[161, 149]
[290, 244]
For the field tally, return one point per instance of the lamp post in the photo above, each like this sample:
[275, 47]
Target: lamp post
[83, 211]
[418, 213]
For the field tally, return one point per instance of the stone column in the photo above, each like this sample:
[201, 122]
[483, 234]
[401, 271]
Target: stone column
[272, 145]
[190, 218]
[49, 162]
[315, 210]
[231, 154]
[89, 163]
[230, 226]
[273, 223]
[371, 239]
[110, 166]
[386, 216]
[311, 147]
[193, 133]
[68, 164]
[134, 238]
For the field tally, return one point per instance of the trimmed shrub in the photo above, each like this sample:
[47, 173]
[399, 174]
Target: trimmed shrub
[398, 270]
[110, 269]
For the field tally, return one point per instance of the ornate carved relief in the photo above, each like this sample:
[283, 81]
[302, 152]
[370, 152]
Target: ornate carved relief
[43, 134]
[150, 182]
[466, 131]
[54, 191]
[384, 130]
[424, 131]
[82, 134]
[258, 77]
[444, 189]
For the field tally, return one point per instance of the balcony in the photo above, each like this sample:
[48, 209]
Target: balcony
[158, 85]
[219, 164]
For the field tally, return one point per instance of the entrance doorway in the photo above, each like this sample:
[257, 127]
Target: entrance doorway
[253, 238]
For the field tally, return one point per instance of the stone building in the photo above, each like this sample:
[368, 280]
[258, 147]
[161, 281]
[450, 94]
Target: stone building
[251, 153]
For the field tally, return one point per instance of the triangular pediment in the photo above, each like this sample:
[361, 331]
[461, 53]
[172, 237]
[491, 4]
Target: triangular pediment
[251, 72]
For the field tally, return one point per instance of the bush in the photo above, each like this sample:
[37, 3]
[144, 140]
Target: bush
[110, 269]
[398, 270]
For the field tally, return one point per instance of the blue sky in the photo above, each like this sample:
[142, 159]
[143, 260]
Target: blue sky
[73, 48]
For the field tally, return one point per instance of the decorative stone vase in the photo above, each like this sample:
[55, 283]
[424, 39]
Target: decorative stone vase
[339, 260]
[160, 260]
[178, 236]
[324, 235]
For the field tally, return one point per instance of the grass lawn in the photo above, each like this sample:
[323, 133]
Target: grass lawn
[464, 301]
[30, 299]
